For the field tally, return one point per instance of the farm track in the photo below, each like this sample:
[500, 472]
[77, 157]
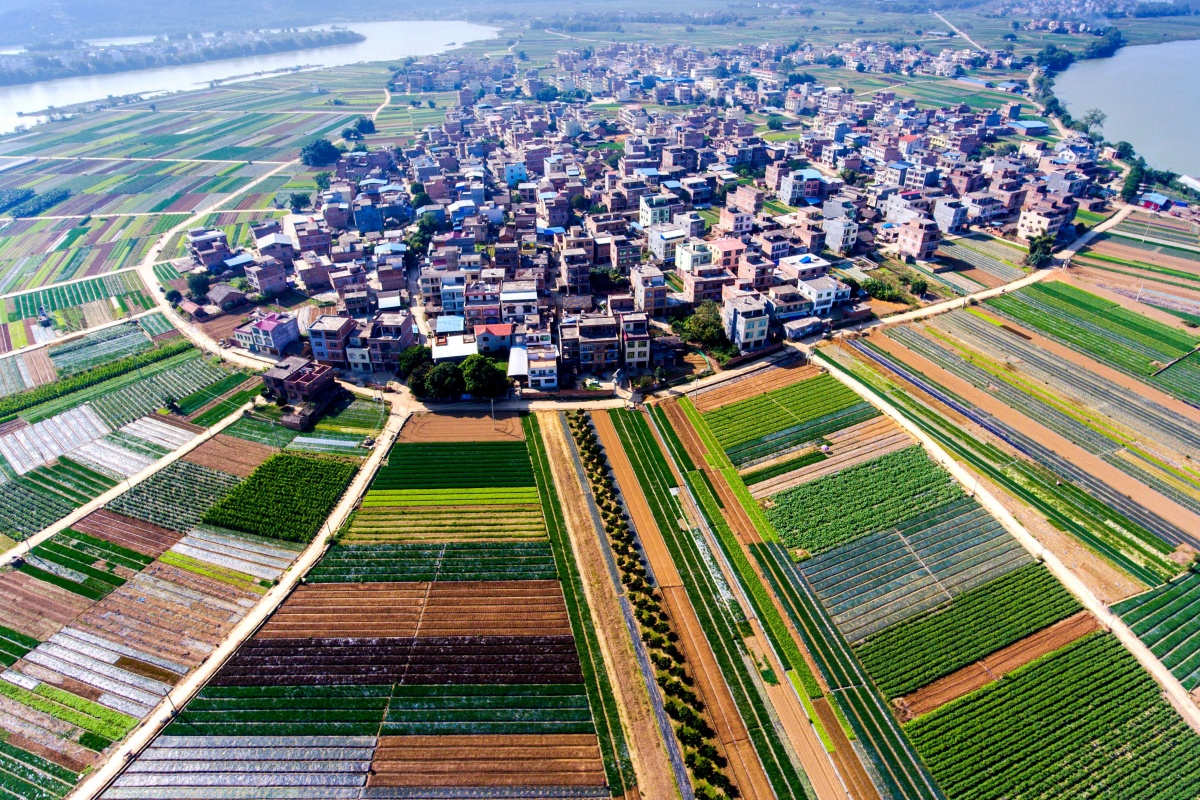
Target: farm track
[643, 731]
[731, 731]
[848, 773]
[849, 446]
[995, 666]
[751, 385]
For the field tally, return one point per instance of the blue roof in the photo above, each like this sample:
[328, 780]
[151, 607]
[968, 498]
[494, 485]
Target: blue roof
[1156, 198]
[239, 260]
[449, 323]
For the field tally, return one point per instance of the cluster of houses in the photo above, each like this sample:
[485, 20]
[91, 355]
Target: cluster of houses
[561, 237]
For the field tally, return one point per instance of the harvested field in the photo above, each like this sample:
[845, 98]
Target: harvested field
[995, 666]
[847, 447]
[450, 609]
[467, 761]
[462, 427]
[229, 454]
[36, 608]
[751, 385]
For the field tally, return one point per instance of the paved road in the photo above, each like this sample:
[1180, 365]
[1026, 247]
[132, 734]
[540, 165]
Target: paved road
[952, 27]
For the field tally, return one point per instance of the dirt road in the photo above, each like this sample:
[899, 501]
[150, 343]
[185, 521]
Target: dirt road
[646, 748]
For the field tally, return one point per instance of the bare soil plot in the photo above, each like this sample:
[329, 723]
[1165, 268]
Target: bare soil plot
[229, 454]
[41, 368]
[849, 446]
[751, 385]
[995, 666]
[36, 608]
[462, 427]
[1113, 247]
[222, 327]
[495, 608]
[128, 532]
[1095, 283]
[646, 748]
[531, 760]
[180, 422]
[348, 610]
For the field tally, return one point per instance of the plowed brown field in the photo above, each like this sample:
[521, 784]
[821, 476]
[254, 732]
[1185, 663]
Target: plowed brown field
[128, 532]
[462, 427]
[484, 760]
[405, 610]
[36, 608]
[995, 666]
[235, 456]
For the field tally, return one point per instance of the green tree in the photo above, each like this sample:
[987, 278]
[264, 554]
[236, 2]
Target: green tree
[1093, 120]
[1041, 251]
[299, 200]
[445, 381]
[1133, 181]
[319, 152]
[919, 286]
[197, 284]
[364, 125]
[413, 357]
[322, 179]
[482, 377]
[1125, 151]
[775, 122]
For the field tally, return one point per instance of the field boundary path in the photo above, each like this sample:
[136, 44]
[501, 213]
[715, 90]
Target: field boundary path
[183, 692]
[25, 545]
[654, 756]
[1173, 689]
[955, 28]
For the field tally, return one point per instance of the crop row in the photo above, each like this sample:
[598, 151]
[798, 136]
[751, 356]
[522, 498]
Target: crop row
[24, 774]
[1167, 619]
[175, 497]
[393, 498]
[83, 564]
[436, 561]
[416, 523]
[887, 490]
[99, 347]
[156, 391]
[1113, 734]
[782, 467]
[1101, 528]
[806, 433]
[287, 497]
[749, 419]
[455, 465]
[261, 431]
[1110, 334]
[195, 401]
[888, 577]
[716, 617]
[26, 509]
[900, 773]
[975, 624]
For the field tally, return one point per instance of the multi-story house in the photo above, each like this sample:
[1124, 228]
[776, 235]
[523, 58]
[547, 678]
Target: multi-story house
[746, 320]
[649, 289]
[270, 333]
[841, 234]
[328, 336]
[754, 271]
[267, 276]
[635, 339]
[919, 238]
[590, 341]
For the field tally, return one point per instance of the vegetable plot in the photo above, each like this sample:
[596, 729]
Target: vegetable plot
[1086, 721]
[813, 517]
[288, 497]
[1167, 619]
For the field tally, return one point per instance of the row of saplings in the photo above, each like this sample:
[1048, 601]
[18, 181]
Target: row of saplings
[707, 766]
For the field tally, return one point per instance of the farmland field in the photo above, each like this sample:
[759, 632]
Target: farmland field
[1112, 335]
[1119, 737]
[443, 666]
[1166, 620]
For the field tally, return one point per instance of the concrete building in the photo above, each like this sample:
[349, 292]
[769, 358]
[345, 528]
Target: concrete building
[746, 320]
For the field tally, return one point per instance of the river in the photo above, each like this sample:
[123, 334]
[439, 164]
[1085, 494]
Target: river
[385, 41]
[1151, 94]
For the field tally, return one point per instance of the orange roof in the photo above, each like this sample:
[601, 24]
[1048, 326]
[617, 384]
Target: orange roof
[503, 329]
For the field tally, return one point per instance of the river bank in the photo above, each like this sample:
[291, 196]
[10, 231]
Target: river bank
[1150, 96]
[383, 41]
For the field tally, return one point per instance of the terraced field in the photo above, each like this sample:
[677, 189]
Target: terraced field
[457, 668]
